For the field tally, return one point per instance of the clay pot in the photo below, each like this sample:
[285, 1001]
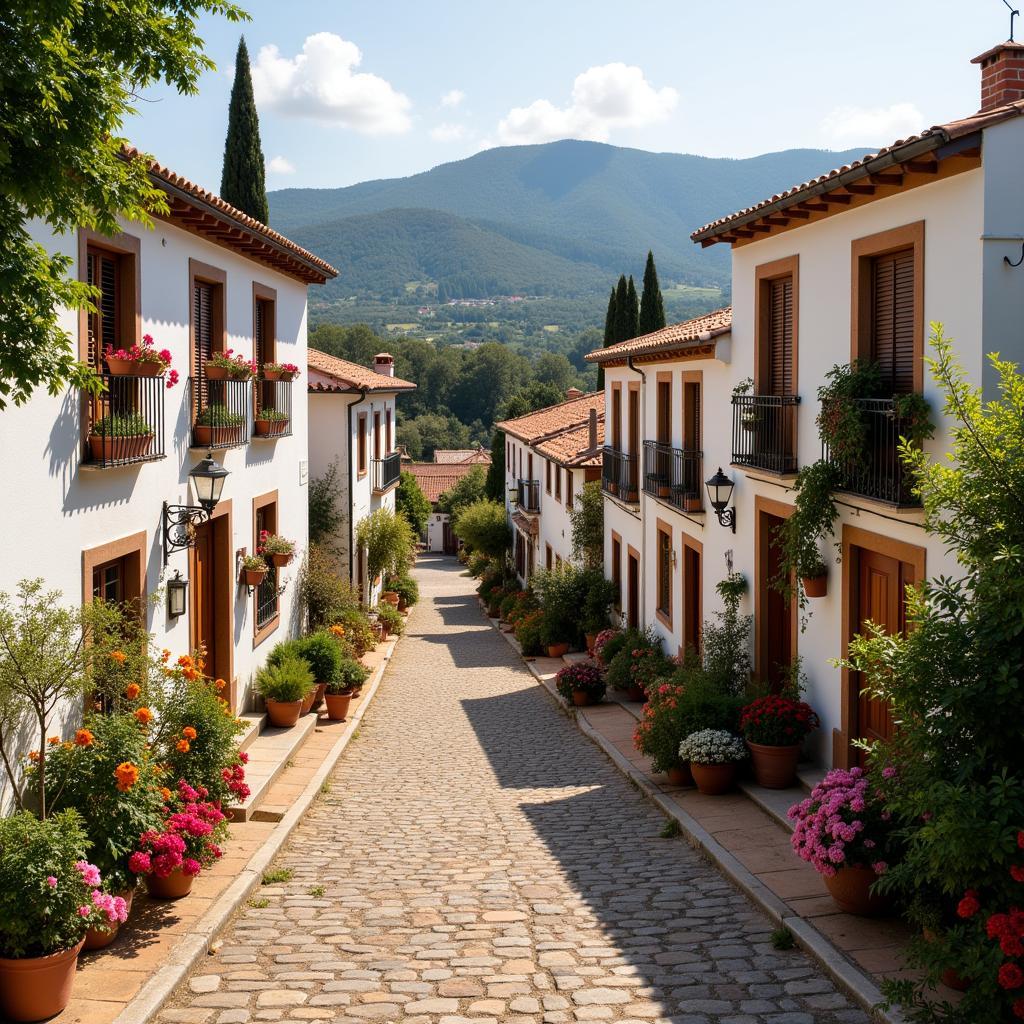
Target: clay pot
[815, 586]
[391, 596]
[216, 372]
[273, 374]
[849, 888]
[949, 977]
[174, 887]
[288, 375]
[337, 705]
[692, 504]
[680, 775]
[402, 604]
[664, 490]
[280, 560]
[111, 449]
[774, 767]
[37, 987]
[591, 639]
[557, 650]
[254, 577]
[283, 713]
[581, 699]
[216, 437]
[134, 368]
[270, 428]
[714, 779]
[314, 698]
[100, 938]
[636, 694]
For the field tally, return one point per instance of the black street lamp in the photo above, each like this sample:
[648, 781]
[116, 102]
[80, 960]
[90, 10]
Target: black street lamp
[180, 521]
[720, 492]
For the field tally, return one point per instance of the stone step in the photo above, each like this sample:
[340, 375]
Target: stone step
[255, 723]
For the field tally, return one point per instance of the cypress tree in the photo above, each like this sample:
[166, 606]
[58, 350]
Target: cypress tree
[609, 336]
[652, 305]
[622, 311]
[243, 180]
[633, 310]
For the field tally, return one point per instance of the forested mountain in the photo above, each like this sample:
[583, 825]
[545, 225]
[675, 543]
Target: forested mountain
[564, 216]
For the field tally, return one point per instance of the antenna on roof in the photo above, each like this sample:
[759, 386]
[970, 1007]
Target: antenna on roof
[1013, 14]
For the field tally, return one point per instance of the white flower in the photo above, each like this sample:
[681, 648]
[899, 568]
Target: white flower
[712, 746]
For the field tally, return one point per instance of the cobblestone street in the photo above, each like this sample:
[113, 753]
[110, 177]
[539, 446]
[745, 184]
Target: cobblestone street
[477, 859]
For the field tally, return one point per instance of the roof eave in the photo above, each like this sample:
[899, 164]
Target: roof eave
[665, 351]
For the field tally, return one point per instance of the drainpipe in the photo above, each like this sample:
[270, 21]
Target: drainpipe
[351, 488]
[639, 490]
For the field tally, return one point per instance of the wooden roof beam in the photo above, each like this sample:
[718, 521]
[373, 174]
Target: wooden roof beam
[777, 221]
[814, 207]
[795, 211]
[837, 198]
[860, 190]
[763, 229]
[922, 166]
[886, 178]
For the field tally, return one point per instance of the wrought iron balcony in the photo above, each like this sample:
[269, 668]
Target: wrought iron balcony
[222, 409]
[126, 421]
[620, 474]
[878, 471]
[386, 471]
[528, 497]
[764, 432]
[674, 475]
[272, 409]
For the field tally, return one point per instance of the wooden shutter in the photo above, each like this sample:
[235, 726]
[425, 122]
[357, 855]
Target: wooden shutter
[780, 336]
[892, 319]
[102, 273]
[202, 321]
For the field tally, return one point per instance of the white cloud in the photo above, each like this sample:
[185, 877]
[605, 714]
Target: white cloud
[321, 82]
[603, 98]
[280, 165]
[447, 132]
[452, 98]
[877, 126]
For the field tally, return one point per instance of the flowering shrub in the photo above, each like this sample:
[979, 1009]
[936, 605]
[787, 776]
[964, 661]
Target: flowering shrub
[238, 366]
[712, 746]
[582, 676]
[145, 353]
[777, 721]
[527, 632]
[841, 824]
[663, 726]
[524, 604]
[639, 664]
[601, 642]
[290, 370]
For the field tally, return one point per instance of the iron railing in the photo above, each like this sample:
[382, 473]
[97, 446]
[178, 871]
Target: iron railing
[878, 471]
[266, 598]
[620, 475]
[764, 432]
[127, 421]
[386, 471]
[674, 475]
[528, 497]
[272, 408]
[222, 409]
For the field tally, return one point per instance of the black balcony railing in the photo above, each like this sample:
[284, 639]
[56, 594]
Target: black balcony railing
[674, 475]
[386, 471]
[222, 409]
[877, 472]
[272, 408]
[528, 498]
[266, 599]
[764, 432]
[127, 421]
[620, 473]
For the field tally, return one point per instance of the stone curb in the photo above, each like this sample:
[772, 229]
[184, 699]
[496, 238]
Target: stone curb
[842, 971]
[186, 954]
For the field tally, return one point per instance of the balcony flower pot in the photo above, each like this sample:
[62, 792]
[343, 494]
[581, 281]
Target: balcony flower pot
[629, 494]
[283, 713]
[338, 705]
[216, 436]
[611, 487]
[279, 559]
[100, 938]
[270, 428]
[216, 372]
[749, 420]
[692, 504]
[254, 577]
[714, 779]
[288, 375]
[815, 586]
[273, 375]
[680, 775]
[174, 886]
[774, 767]
[133, 368]
[107, 448]
[37, 987]
[850, 886]
[557, 650]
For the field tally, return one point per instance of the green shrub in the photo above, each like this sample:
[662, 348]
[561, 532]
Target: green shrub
[562, 593]
[320, 651]
[323, 593]
[219, 415]
[482, 525]
[287, 681]
[599, 596]
[392, 618]
[406, 588]
[351, 676]
[388, 540]
[477, 562]
[623, 664]
[358, 631]
[527, 632]
[122, 425]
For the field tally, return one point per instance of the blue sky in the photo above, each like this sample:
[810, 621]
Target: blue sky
[353, 91]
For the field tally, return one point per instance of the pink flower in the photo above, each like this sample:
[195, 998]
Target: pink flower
[190, 866]
[89, 872]
[888, 772]
[139, 863]
[51, 881]
[84, 911]
[879, 867]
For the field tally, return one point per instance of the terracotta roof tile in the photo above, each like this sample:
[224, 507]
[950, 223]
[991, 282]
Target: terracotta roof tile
[871, 163]
[543, 423]
[701, 329]
[572, 447]
[435, 478]
[330, 374]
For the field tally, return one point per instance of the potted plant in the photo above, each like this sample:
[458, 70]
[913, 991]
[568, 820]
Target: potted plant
[661, 730]
[284, 687]
[280, 371]
[841, 831]
[44, 882]
[254, 569]
[580, 684]
[270, 422]
[561, 593]
[773, 728]
[601, 645]
[228, 366]
[712, 755]
[406, 588]
[391, 618]
[279, 550]
[140, 361]
[323, 654]
[600, 596]
[216, 425]
[120, 436]
[350, 676]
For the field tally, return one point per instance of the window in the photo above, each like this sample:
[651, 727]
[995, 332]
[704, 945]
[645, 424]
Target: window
[892, 319]
[207, 286]
[547, 475]
[617, 568]
[266, 597]
[376, 436]
[691, 415]
[547, 556]
[665, 573]
[264, 347]
[776, 327]
[691, 594]
[568, 488]
[558, 481]
[617, 417]
[664, 410]
[106, 324]
[108, 581]
[361, 445]
[388, 447]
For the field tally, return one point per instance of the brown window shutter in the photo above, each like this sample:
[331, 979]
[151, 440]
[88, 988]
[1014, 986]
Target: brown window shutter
[780, 337]
[202, 316]
[102, 325]
[892, 319]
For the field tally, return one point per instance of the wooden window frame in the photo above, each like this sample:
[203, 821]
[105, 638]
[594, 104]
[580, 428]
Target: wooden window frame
[764, 276]
[262, 293]
[376, 435]
[260, 503]
[547, 476]
[362, 453]
[617, 568]
[616, 417]
[663, 411]
[663, 615]
[691, 544]
[635, 443]
[389, 434]
[556, 471]
[124, 547]
[568, 488]
[632, 553]
[862, 251]
[780, 510]
[206, 273]
[128, 250]
[692, 377]
[548, 557]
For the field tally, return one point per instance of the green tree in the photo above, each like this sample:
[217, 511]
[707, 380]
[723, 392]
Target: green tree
[609, 335]
[469, 489]
[71, 76]
[388, 540]
[652, 305]
[632, 310]
[529, 399]
[243, 179]
[587, 519]
[482, 526]
[622, 319]
[552, 368]
[325, 514]
[494, 487]
[411, 502]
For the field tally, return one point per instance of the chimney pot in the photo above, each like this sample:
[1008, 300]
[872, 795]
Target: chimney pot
[574, 393]
[384, 362]
[1001, 81]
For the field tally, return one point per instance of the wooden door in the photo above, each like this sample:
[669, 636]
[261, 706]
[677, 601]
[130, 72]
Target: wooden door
[203, 594]
[633, 589]
[776, 626]
[691, 598]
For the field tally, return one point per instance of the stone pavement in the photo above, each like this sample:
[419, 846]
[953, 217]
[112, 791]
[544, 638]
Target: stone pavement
[477, 860]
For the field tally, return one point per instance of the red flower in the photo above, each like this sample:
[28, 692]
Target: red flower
[969, 905]
[1017, 872]
[1011, 976]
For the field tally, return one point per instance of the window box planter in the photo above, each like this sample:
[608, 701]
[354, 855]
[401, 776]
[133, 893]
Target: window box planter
[692, 504]
[218, 437]
[134, 367]
[216, 372]
[274, 375]
[107, 448]
[270, 427]
[629, 494]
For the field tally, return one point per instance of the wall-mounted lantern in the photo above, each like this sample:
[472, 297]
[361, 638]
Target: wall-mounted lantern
[180, 521]
[720, 492]
[177, 596]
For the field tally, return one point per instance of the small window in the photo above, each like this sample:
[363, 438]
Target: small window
[547, 477]
[361, 446]
[664, 573]
[108, 582]
[558, 482]
[387, 435]
[548, 562]
[266, 596]
[617, 570]
[264, 351]
[376, 436]
[568, 488]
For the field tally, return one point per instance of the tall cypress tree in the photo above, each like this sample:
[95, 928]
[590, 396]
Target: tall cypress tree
[609, 336]
[633, 310]
[652, 305]
[243, 181]
[621, 332]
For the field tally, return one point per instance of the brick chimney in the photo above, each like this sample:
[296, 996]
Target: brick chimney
[1002, 75]
[573, 393]
[384, 362]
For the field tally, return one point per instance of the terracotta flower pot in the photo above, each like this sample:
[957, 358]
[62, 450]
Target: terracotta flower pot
[680, 775]
[107, 449]
[270, 428]
[283, 713]
[815, 586]
[774, 767]
[134, 367]
[338, 705]
[391, 596]
[272, 374]
[557, 650]
[714, 779]
[402, 603]
[314, 699]
[849, 888]
[254, 577]
[692, 504]
[100, 938]
[37, 987]
[280, 559]
[591, 639]
[636, 694]
[217, 436]
[216, 372]
[950, 978]
[664, 490]
[174, 887]
[288, 375]
[581, 699]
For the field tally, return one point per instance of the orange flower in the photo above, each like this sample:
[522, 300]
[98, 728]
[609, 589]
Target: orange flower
[33, 755]
[119, 656]
[190, 674]
[165, 655]
[185, 661]
[133, 691]
[188, 732]
[338, 631]
[182, 746]
[127, 774]
[144, 716]
[219, 684]
[165, 793]
[83, 738]
[53, 740]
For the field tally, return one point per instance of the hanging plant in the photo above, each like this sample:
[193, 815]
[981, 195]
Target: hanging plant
[841, 421]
